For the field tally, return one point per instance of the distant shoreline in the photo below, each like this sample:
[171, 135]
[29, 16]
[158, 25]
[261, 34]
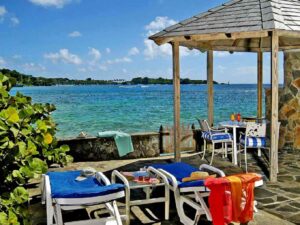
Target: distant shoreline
[21, 79]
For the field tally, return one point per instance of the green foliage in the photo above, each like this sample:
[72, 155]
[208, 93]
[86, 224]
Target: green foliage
[27, 147]
[28, 80]
[160, 80]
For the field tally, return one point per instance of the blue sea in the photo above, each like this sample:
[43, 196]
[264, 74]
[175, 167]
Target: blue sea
[138, 108]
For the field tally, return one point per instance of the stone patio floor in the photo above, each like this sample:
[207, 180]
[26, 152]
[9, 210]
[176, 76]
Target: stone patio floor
[278, 203]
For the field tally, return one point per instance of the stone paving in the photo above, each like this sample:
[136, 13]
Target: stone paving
[278, 203]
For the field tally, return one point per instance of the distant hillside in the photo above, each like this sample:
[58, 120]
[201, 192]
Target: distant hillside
[29, 80]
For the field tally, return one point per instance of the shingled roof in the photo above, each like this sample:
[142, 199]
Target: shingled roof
[239, 16]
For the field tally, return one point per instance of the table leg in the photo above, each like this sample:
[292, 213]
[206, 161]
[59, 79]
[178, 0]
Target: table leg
[234, 160]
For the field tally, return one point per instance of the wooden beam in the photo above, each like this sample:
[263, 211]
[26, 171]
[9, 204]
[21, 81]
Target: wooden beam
[210, 87]
[259, 83]
[209, 37]
[283, 33]
[274, 107]
[176, 86]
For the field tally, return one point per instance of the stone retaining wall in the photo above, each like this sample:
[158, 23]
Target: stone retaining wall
[99, 148]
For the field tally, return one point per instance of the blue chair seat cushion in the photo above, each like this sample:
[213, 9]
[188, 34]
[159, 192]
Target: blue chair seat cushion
[216, 136]
[64, 185]
[181, 170]
[254, 142]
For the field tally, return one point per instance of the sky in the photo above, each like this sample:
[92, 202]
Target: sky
[108, 39]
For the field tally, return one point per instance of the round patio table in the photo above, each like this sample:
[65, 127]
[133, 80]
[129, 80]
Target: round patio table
[233, 125]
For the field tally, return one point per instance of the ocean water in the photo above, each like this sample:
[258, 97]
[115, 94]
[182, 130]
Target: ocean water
[137, 108]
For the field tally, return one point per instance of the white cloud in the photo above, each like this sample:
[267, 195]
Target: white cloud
[64, 56]
[133, 51]
[32, 67]
[2, 11]
[152, 50]
[2, 61]
[160, 23]
[103, 67]
[119, 60]
[95, 53]
[51, 3]
[75, 34]
[245, 70]
[16, 56]
[108, 50]
[83, 70]
[124, 70]
[14, 21]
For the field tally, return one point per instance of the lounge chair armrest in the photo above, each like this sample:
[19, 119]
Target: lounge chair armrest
[116, 174]
[102, 178]
[151, 169]
[212, 169]
[170, 178]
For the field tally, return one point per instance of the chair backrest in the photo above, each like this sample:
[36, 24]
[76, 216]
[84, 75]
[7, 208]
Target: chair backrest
[254, 129]
[204, 125]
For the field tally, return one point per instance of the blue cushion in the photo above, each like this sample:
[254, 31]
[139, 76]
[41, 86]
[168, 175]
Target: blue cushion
[181, 170]
[64, 185]
[215, 136]
[253, 142]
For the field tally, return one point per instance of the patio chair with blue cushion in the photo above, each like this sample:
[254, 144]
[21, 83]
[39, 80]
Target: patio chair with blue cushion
[62, 191]
[215, 136]
[255, 138]
[175, 172]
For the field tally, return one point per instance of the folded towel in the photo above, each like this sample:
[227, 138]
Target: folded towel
[123, 141]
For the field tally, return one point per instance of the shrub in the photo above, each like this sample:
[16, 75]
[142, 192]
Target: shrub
[27, 147]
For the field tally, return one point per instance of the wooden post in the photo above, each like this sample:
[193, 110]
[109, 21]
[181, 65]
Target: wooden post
[210, 87]
[176, 86]
[259, 83]
[274, 108]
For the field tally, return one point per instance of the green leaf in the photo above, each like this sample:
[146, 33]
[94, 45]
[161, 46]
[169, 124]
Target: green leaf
[14, 131]
[3, 218]
[20, 195]
[31, 148]
[41, 125]
[65, 148]
[22, 148]
[38, 166]
[12, 115]
[12, 218]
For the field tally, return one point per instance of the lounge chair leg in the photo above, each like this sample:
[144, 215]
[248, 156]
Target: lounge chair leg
[246, 166]
[226, 149]
[59, 220]
[167, 202]
[204, 149]
[116, 213]
[213, 152]
[203, 205]
[223, 150]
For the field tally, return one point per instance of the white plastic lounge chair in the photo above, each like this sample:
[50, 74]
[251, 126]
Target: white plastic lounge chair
[182, 190]
[214, 136]
[191, 193]
[60, 191]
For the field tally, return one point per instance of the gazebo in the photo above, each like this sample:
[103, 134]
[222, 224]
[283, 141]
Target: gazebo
[237, 26]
